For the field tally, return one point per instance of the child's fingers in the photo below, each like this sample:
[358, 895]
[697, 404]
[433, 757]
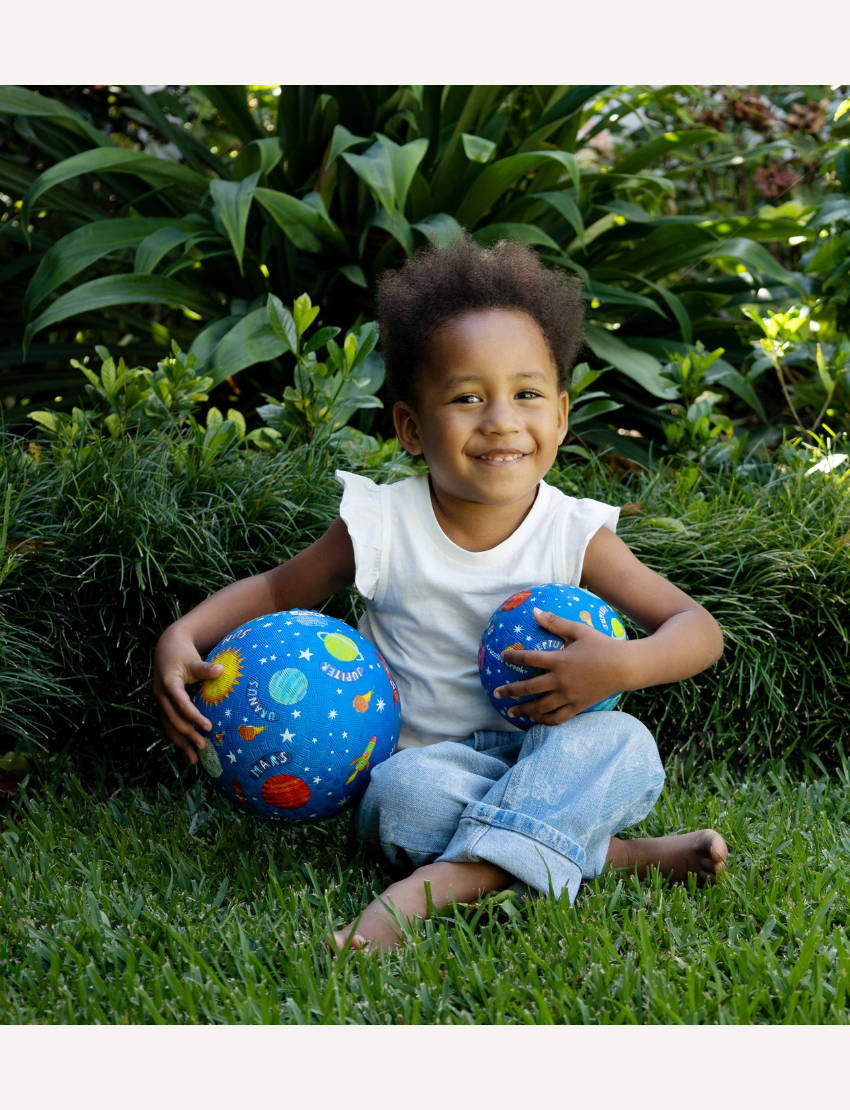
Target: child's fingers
[180, 742]
[541, 659]
[178, 721]
[571, 630]
[540, 707]
[540, 684]
[199, 670]
[556, 716]
[176, 692]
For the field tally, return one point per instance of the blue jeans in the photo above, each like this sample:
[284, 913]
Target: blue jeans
[542, 805]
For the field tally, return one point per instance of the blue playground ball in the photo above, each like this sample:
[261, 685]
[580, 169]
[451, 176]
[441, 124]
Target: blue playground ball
[513, 626]
[302, 712]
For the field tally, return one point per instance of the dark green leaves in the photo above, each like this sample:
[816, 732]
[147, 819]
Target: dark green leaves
[233, 203]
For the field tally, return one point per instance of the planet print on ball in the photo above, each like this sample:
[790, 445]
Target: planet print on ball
[512, 626]
[303, 712]
[289, 686]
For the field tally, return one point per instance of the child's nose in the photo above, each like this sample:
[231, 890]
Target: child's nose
[499, 417]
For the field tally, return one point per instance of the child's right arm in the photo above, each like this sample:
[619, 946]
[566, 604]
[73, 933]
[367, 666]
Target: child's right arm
[303, 582]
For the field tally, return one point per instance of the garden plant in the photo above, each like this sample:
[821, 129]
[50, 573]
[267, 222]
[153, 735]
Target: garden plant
[188, 353]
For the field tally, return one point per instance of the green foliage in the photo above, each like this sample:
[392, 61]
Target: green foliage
[112, 539]
[642, 191]
[167, 906]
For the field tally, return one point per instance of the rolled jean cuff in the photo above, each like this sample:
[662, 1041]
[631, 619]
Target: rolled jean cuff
[527, 848]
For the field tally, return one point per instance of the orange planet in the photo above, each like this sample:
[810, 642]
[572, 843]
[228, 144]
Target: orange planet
[250, 732]
[516, 600]
[285, 792]
[361, 702]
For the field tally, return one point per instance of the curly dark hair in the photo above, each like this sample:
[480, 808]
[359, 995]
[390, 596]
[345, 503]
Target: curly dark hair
[439, 284]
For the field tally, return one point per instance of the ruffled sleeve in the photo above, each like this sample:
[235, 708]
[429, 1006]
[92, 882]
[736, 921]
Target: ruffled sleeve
[361, 510]
[581, 519]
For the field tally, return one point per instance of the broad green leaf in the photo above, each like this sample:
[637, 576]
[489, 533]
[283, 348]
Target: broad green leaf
[502, 175]
[207, 340]
[674, 303]
[282, 323]
[355, 275]
[842, 168]
[117, 290]
[477, 149]
[261, 157]
[156, 246]
[564, 108]
[628, 211]
[300, 222]
[375, 169]
[611, 294]
[79, 249]
[829, 254]
[439, 229]
[565, 206]
[657, 149]
[843, 107]
[404, 161]
[756, 258]
[637, 365]
[251, 340]
[233, 202]
[523, 233]
[319, 340]
[593, 410]
[397, 226]
[17, 101]
[112, 159]
[341, 140]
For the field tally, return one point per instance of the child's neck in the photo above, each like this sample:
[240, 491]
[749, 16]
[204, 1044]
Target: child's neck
[475, 526]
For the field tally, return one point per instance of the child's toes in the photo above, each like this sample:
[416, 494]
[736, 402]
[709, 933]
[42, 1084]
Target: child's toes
[338, 940]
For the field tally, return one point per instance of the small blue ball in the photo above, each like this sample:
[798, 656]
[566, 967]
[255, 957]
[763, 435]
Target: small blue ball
[303, 711]
[513, 626]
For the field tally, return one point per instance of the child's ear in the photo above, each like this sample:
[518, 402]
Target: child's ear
[407, 428]
[563, 414]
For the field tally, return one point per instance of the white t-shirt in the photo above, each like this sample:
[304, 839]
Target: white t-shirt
[428, 601]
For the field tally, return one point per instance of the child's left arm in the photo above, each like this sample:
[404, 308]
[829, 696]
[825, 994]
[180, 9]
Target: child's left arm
[683, 639]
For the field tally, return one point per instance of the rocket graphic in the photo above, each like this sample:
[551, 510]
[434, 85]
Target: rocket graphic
[361, 763]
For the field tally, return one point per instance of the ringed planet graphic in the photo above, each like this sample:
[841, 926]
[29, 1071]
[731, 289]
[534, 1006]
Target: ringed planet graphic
[215, 690]
[617, 629]
[288, 686]
[285, 792]
[340, 647]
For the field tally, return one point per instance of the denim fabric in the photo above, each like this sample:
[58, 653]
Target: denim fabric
[543, 805]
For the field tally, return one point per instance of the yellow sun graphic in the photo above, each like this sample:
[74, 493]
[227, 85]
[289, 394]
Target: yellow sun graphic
[215, 690]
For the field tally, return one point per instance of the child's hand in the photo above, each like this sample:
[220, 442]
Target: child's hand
[590, 668]
[176, 665]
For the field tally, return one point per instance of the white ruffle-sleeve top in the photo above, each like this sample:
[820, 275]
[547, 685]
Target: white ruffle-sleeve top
[428, 601]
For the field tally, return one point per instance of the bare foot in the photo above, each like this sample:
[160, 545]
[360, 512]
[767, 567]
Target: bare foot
[702, 853]
[379, 927]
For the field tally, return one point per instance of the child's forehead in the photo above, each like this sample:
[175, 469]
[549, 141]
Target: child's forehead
[500, 341]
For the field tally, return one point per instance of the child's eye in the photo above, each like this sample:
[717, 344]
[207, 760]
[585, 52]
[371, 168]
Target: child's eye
[528, 394]
[466, 399]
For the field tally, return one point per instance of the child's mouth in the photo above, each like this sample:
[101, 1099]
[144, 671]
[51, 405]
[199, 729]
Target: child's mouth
[501, 458]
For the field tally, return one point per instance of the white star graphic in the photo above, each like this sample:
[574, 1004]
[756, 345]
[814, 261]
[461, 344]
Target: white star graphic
[306, 768]
[332, 714]
[296, 712]
[254, 646]
[528, 637]
[273, 658]
[238, 751]
[244, 720]
[381, 705]
[263, 660]
[338, 690]
[317, 779]
[308, 655]
[227, 712]
[345, 736]
[297, 633]
[288, 622]
[287, 736]
[315, 739]
[267, 625]
[231, 757]
[517, 628]
[489, 671]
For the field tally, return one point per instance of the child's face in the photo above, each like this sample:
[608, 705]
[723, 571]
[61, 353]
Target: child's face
[488, 414]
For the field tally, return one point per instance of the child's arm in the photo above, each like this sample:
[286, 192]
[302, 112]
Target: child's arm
[684, 639]
[303, 582]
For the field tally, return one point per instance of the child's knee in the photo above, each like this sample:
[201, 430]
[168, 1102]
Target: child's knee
[405, 801]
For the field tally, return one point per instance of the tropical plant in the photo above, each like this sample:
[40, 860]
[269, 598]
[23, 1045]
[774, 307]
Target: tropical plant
[215, 197]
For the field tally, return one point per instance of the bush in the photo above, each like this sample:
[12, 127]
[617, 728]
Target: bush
[110, 542]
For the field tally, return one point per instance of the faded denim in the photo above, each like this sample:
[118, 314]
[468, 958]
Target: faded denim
[543, 804]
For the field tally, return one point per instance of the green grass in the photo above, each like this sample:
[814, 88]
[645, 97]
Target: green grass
[169, 907]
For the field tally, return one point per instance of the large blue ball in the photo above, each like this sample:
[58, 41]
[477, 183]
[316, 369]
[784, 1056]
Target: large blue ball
[513, 626]
[304, 710]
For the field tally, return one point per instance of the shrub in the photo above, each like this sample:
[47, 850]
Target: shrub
[110, 547]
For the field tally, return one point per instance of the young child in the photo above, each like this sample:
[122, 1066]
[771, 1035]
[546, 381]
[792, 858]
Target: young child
[478, 346]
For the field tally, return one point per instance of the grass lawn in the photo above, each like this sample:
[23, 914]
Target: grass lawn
[159, 907]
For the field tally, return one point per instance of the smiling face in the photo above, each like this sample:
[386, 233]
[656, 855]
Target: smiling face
[488, 413]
